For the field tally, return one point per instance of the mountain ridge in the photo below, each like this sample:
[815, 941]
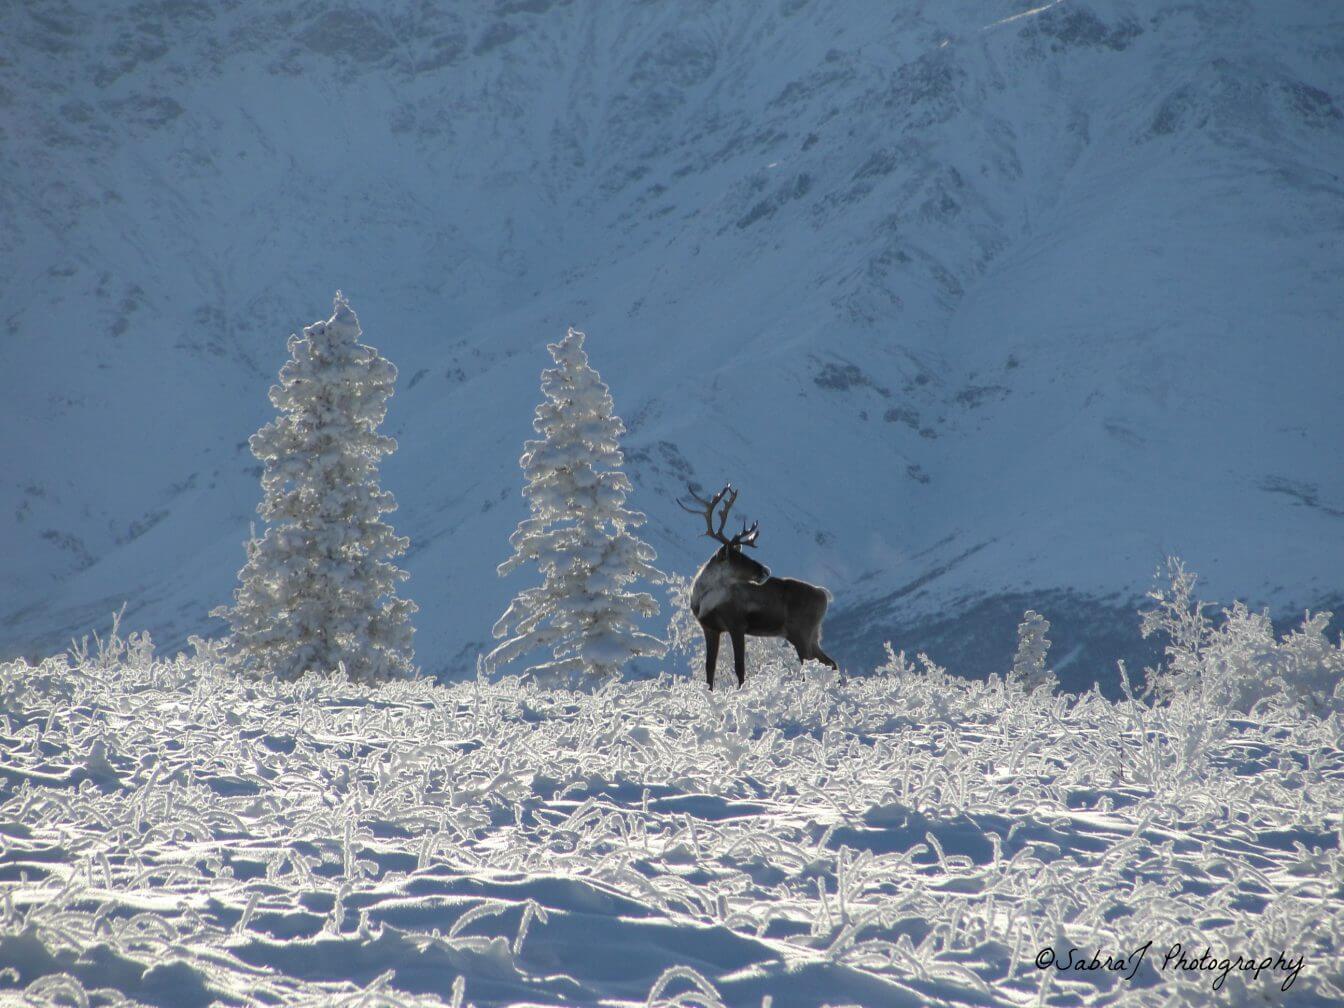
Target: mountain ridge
[986, 305]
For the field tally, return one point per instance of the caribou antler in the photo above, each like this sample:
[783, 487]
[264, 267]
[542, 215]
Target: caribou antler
[706, 509]
[747, 537]
[728, 497]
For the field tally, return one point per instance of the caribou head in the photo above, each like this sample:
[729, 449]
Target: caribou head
[734, 593]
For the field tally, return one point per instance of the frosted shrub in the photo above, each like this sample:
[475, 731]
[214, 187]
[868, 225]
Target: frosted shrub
[108, 652]
[318, 590]
[1247, 664]
[685, 639]
[926, 685]
[1232, 665]
[578, 534]
[905, 837]
[1178, 615]
[923, 669]
[763, 651]
[1029, 671]
[1309, 670]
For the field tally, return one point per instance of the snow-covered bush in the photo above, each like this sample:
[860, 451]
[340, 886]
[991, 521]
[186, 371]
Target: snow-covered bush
[318, 590]
[1029, 671]
[585, 612]
[1178, 615]
[1308, 670]
[685, 639]
[1237, 662]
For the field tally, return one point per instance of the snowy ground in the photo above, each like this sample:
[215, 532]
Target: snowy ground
[172, 835]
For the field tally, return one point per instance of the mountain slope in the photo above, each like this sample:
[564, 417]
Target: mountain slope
[972, 306]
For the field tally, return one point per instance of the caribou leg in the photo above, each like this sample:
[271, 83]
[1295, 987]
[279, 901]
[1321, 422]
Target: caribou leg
[711, 654]
[739, 639]
[804, 651]
[823, 657]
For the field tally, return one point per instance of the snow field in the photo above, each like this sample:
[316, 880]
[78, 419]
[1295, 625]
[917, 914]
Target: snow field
[173, 835]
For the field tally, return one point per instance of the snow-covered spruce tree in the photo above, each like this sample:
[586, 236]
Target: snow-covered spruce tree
[1029, 669]
[585, 611]
[319, 587]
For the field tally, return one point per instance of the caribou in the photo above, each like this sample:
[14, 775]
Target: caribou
[735, 594]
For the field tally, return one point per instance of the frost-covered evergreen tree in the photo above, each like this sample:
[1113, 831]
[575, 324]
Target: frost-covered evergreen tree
[585, 611]
[1029, 669]
[319, 587]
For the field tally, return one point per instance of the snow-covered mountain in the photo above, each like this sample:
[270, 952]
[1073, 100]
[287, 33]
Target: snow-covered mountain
[982, 306]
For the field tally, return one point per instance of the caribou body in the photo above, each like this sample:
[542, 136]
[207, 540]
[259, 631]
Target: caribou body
[734, 594]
